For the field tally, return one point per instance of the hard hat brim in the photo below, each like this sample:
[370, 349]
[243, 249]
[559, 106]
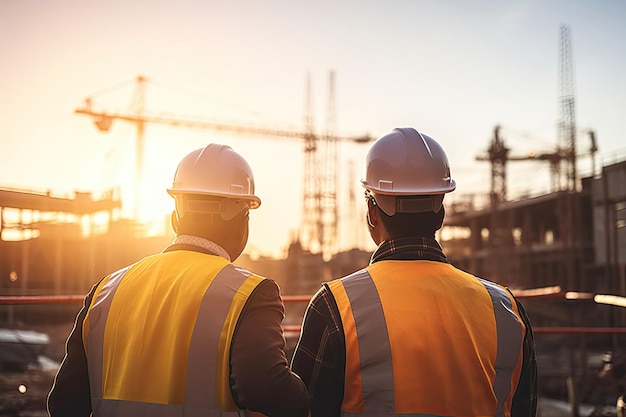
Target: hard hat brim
[394, 192]
[254, 202]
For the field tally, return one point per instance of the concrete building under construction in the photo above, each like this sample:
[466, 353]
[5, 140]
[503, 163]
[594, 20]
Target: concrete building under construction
[575, 240]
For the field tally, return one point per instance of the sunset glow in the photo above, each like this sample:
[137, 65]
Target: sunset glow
[464, 68]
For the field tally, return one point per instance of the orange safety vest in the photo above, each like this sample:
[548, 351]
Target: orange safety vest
[425, 338]
[157, 336]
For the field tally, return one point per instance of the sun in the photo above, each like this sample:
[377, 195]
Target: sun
[144, 199]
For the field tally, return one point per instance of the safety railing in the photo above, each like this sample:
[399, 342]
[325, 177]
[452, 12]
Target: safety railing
[550, 292]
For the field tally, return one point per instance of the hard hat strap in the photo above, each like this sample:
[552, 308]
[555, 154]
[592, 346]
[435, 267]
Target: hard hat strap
[392, 204]
[202, 206]
[227, 208]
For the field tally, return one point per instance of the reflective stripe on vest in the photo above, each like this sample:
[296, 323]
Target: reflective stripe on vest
[370, 389]
[207, 387]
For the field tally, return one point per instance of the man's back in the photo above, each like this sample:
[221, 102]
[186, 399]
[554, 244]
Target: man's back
[173, 331]
[430, 310]
[156, 313]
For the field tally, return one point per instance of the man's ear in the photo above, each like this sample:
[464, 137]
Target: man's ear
[372, 216]
[174, 221]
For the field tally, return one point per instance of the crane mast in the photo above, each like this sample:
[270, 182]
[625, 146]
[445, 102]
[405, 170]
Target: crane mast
[319, 208]
[138, 107]
[328, 198]
[567, 105]
[310, 234]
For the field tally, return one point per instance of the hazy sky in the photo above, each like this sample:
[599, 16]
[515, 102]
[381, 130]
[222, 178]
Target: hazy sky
[452, 69]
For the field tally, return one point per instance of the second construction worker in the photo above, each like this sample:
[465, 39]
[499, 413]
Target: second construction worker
[410, 334]
[185, 332]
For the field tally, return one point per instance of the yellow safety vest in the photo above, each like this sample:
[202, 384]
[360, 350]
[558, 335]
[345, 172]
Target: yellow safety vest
[157, 336]
[424, 338]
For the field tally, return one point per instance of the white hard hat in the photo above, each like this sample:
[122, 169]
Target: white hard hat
[215, 170]
[406, 163]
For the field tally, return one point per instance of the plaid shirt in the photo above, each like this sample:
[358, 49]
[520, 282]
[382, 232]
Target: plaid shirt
[319, 358]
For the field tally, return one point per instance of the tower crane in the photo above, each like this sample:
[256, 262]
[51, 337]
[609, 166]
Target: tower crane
[319, 194]
[498, 154]
[563, 159]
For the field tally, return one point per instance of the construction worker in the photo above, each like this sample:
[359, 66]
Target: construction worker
[410, 334]
[185, 331]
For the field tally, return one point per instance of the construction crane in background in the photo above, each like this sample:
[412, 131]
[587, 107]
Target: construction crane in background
[563, 159]
[498, 154]
[320, 211]
[318, 232]
[567, 105]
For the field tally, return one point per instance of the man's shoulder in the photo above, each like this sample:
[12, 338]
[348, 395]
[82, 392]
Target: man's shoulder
[325, 293]
[265, 285]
